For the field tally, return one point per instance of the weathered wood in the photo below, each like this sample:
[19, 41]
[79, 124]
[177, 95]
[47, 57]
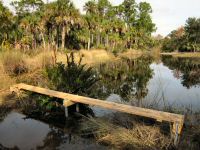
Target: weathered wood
[67, 103]
[179, 129]
[154, 114]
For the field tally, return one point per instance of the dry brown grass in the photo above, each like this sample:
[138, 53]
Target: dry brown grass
[140, 136]
[131, 54]
[93, 56]
[16, 66]
[186, 54]
[13, 62]
[5, 82]
[39, 61]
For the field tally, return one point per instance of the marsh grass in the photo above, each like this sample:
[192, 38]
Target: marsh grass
[39, 61]
[131, 54]
[183, 54]
[120, 136]
[13, 62]
[93, 57]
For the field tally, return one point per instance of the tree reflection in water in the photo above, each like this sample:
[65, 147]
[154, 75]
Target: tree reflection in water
[186, 69]
[128, 78]
[54, 139]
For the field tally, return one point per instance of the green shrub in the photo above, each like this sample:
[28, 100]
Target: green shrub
[72, 78]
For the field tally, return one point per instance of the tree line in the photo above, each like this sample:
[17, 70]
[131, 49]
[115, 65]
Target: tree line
[186, 38]
[60, 25]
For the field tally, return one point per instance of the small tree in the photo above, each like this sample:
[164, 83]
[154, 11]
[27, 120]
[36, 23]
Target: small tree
[73, 78]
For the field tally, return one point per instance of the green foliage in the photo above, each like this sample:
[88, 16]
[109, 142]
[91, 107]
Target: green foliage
[186, 38]
[127, 77]
[45, 102]
[72, 77]
[61, 25]
[6, 24]
[144, 19]
[186, 69]
[23, 7]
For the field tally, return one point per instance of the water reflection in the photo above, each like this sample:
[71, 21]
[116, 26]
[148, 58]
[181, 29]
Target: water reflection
[175, 84]
[142, 82]
[16, 132]
[127, 78]
[4, 111]
[186, 69]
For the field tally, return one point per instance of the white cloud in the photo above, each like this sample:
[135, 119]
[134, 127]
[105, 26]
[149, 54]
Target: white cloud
[167, 14]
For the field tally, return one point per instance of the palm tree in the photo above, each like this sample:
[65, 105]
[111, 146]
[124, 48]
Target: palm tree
[91, 14]
[28, 13]
[6, 18]
[66, 16]
[90, 7]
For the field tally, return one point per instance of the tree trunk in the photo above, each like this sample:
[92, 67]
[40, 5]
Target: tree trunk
[34, 41]
[92, 40]
[98, 39]
[57, 37]
[63, 37]
[48, 42]
[43, 40]
[107, 42]
[101, 41]
[89, 41]
[194, 46]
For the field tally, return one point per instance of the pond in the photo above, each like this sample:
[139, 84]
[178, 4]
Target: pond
[20, 133]
[167, 83]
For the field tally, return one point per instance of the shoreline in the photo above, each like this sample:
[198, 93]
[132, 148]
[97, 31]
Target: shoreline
[182, 54]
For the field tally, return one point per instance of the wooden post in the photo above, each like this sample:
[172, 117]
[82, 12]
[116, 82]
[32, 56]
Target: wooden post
[176, 132]
[77, 107]
[66, 112]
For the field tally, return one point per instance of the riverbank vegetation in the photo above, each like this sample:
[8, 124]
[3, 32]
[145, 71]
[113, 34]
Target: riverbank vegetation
[185, 38]
[183, 54]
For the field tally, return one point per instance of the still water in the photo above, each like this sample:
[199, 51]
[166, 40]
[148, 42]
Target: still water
[18, 133]
[159, 84]
[166, 83]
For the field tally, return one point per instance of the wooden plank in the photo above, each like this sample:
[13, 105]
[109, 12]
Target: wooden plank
[68, 103]
[157, 115]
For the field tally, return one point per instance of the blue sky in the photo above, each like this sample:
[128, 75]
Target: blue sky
[167, 14]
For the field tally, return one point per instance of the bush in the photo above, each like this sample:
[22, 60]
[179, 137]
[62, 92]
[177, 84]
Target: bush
[72, 78]
[13, 63]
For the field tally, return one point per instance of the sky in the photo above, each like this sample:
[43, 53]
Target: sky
[167, 14]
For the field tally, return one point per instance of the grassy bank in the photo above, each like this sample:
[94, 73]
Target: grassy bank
[184, 54]
[17, 66]
[15, 63]
[123, 131]
[94, 56]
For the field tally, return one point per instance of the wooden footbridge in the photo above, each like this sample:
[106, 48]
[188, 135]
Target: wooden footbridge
[70, 99]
